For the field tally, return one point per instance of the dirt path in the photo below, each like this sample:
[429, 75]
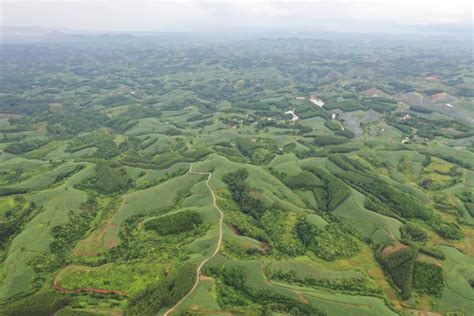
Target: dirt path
[219, 242]
[85, 290]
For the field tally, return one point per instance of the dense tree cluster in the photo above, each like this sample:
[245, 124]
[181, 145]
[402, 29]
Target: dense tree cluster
[399, 267]
[24, 147]
[413, 232]
[329, 243]
[110, 178]
[324, 140]
[260, 151]
[280, 226]
[175, 223]
[428, 278]
[171, 287]
[41, 304]
[241, 193]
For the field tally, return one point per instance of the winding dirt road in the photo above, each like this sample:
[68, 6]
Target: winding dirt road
[219, 241]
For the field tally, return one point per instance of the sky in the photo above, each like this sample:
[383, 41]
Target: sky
[203, 15]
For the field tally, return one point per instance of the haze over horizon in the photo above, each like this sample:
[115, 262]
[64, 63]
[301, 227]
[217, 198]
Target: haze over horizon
[391, 16]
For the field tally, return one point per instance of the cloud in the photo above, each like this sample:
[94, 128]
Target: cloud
[179, 15]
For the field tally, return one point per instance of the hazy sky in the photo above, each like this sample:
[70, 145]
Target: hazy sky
[195, 15]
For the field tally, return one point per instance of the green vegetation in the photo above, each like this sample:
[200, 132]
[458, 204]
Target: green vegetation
[329, 140]
[39, 304]
[428, 278]
[348, 285]
[164, 293]
[64, 238]
[330, 243]
[109, 178]
[119, 153]
[17, 215]
[241, 193]
[20, 148]
[397, 201]
[176, 223]
[399, 266]
[281, 228]
[328, 191]
[411, 231]
[237, 296]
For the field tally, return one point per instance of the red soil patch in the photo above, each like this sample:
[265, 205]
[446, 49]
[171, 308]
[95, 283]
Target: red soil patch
[109, 243]
[423, 313]
[4, 116]
[373, 92]
[97, 238]
[333, 75]
[264, 247]
[59, 288]
[195, 308]
[433, 78]
[391, 249]
[301, 297]
[235, 230]
[366, 72]
[438, 96]
[205, 278]
[42, 127]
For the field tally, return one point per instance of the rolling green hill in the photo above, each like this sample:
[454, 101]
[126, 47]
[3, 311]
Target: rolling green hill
[173, 176]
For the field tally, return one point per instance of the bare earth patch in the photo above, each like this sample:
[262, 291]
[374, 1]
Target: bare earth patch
[391, 249]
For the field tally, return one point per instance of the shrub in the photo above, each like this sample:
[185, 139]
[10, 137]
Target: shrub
[323, 140]
[332, 125]
[345, 133]
[330, 243]
[411, 231]
[24, 147]
[433, 252]
[420, 109]
[446, 230]
[428, 278]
